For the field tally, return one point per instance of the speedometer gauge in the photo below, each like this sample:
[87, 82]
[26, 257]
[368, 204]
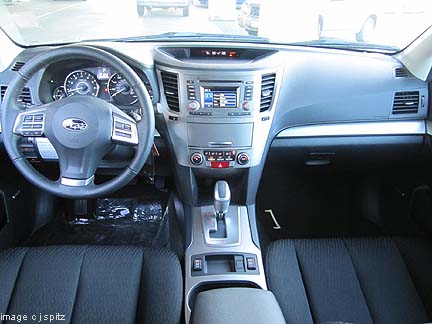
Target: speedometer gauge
[81, 83]
[120, 90]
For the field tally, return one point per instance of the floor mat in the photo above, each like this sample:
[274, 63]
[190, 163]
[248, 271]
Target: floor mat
[115, 221]
[313, 204]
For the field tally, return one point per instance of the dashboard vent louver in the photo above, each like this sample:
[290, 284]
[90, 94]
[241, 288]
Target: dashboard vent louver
[401, 72]
[406, 102]
[24, 97]
[149, 89]
[170, 84]
[267, 90]
[17, 66]
[2, 92]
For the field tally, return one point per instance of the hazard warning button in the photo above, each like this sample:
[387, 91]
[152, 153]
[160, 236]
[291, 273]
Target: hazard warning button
[220, 165]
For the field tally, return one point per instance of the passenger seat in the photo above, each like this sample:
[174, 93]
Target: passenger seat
[91, 284]
[358, 280]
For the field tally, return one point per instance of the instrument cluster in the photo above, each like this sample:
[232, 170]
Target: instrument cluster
[102, 82]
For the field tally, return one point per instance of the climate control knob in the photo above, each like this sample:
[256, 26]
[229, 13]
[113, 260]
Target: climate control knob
[242, 158]
[193, 105]
[196, 158]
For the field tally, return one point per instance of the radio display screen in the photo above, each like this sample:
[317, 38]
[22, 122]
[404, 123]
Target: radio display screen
[220, 97]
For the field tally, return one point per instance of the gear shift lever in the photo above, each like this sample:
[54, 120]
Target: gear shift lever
[222, 197]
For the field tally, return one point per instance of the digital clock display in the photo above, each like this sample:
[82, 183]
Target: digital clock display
[214, 52]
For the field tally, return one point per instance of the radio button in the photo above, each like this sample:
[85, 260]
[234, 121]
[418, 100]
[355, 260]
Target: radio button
[247, 106]
[193, 105]
[243, 158]
[196, 158]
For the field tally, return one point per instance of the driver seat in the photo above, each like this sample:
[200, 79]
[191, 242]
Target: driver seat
[91, 284]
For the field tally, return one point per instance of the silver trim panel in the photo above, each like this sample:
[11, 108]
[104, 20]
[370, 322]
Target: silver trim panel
[411, 127]
[76, 182]
[199, 246]
[232, 221]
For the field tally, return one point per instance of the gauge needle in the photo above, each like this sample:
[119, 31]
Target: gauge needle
[118, 92]
[76, 89]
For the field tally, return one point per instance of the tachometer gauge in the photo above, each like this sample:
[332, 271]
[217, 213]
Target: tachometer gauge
[59, 93]
[120, 90]
[81, 83]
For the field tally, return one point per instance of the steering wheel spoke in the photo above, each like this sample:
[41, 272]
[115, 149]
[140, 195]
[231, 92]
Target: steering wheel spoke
[70, 182]
[31, 122]
[124, 129]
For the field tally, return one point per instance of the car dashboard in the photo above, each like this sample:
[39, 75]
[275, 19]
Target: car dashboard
[222, 106]
[227, 111]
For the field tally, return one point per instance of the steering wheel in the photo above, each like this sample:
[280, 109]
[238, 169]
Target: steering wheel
[82, 129]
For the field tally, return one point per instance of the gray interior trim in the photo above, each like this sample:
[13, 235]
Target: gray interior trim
[237, 305]
[429, 127]
[409, 127]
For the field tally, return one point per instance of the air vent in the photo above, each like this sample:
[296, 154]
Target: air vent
[2, 92]
[17, 66]
[267, 91]
[406, 102]
[401, 72]
[149, 89]
[24, 96]
[170, 84]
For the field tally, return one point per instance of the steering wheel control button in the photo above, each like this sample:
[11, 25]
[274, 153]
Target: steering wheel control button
[125, 131]
[196, 159]
[194, 105]
[123, 134]
[243, 158]
[28, 124]
[197, 264]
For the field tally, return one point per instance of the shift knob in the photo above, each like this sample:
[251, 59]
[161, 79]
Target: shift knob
[222, 198]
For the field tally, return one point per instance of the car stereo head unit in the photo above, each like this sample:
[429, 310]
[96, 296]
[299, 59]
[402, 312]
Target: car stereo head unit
[220, 98]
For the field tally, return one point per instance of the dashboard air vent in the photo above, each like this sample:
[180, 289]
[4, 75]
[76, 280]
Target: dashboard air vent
[24, 97]
[170, 84]
[2, 92]
[401, 72]
[149, 89]
[406, 102]
[17, 66]
[267, 90]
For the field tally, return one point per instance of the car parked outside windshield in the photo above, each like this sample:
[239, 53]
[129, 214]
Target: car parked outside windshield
[390, 24]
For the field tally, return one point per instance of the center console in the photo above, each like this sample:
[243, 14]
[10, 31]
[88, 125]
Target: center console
[222, 250]
[218, 119]
[218, 112]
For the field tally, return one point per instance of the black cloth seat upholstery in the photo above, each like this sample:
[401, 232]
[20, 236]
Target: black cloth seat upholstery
[359, 280]
[92, 284]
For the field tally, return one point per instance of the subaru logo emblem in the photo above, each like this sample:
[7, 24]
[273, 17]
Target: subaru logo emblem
[74, 124]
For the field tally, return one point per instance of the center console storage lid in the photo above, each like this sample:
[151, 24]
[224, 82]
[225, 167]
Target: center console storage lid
[236, 305]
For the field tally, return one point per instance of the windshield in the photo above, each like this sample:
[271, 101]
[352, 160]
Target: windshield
[385, 24]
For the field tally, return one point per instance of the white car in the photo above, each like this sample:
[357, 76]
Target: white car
[143, 6]
[351, 16]
[313, 19]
